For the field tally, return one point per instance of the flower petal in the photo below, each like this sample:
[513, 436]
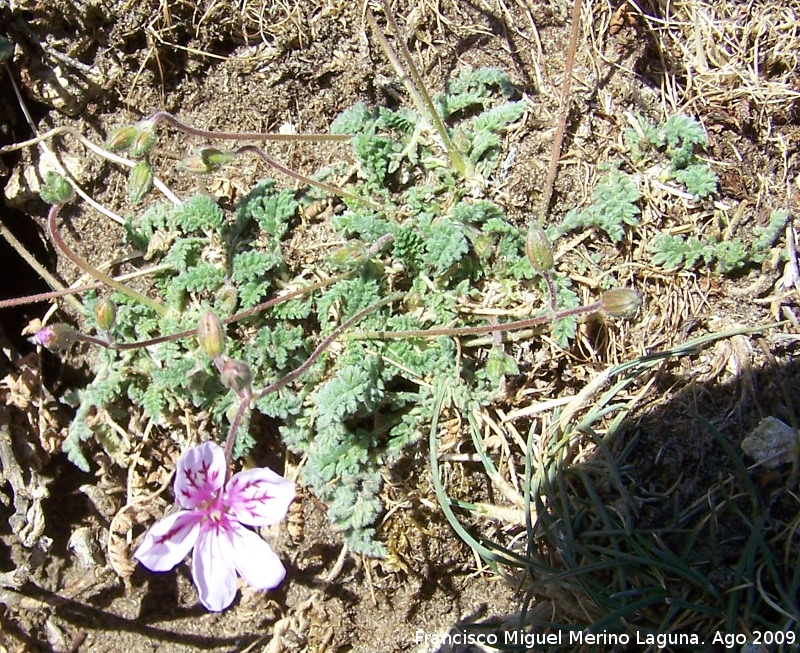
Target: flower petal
[200, 474]
[255, 561]
[213, 569]
[258, 497]
[169, 540]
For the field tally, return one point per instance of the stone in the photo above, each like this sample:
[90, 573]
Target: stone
[771, 444]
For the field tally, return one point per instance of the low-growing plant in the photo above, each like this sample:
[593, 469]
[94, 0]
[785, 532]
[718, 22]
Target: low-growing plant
[678, 139]
[668, 150]
[423, 241]
[613, 209]
[678, 252]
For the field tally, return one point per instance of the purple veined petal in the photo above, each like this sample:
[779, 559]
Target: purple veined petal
[213, 569]
[169, 541]
[258, 497]
[255, 560]
[200, 474]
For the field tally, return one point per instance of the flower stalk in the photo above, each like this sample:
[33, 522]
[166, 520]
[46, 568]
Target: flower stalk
[631, 301]
[58, 241]
[415, 86]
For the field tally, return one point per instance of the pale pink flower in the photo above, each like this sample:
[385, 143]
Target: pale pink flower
[213, 523]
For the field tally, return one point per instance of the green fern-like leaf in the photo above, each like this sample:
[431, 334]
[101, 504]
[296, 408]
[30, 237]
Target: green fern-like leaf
[447, 105]
[403, 121]
[613, 207]
[365, 224]
[198, 213]
[356, 389]
[445, 245]
[481, 80]
[294, 309]
[272, 212]
[765, 237]
[377, 154]
[354, 120]
[485, 144]
[184, 253]
[142, 229]
[681, 134]
[200, 277]
[476, 212]
[730, 255]
[698, 179]
[674, 252]
[497, 118]
[79, 432]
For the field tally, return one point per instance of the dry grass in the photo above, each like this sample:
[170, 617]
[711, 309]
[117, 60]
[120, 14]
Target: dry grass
[737, 59]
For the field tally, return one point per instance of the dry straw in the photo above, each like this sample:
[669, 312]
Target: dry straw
[737, 58]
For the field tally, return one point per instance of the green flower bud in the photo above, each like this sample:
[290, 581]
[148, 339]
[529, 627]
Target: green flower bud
[206, 159]
[227, 298]
[56, 337]
[56, 189]
[121, 139]
[353, 252]
[215, 158]
[144, 140]
[620, 302]
[539, 250]
[105, 313]
[194, 164]
[237, 376]
[483, 245]
[211, 334]
[140, 181]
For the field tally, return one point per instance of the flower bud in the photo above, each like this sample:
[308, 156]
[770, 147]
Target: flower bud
[215, 158]
[121, 138]
[227, 298]
[206, 159]
[56, 189]
[539, 250]
[620, 302]
[352, 252]
[483, 245]
[144, 140]
[194, 164]
[211, 334]
[237, 376]
[56, 337]
[140, 182]
[105, 313]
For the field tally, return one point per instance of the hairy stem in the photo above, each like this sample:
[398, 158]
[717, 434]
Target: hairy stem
[122, 346]
[322, 346]
[39, 269]
[558, 139]
[55, 236]
[99, 151]
[54, 160]
[302, 178]
[588, 309]
[244, 404]
[75, 290]
[551, 290]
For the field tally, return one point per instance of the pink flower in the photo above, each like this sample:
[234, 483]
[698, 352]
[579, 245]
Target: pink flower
[213, 522]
